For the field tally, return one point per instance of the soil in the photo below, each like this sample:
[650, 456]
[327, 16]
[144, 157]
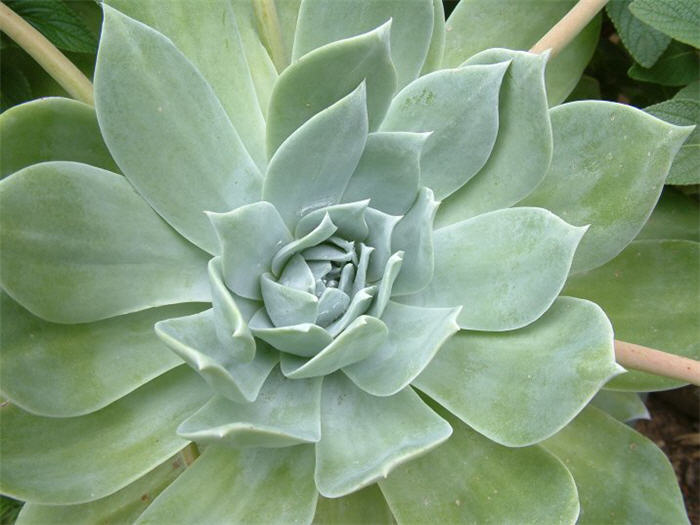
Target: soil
[675, 427]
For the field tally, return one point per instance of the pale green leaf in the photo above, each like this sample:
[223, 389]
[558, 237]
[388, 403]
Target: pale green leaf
[319, 234]
[364, 437]
[86, 247]
[51, 129]
[644, 43]
[415, 336]
[621, 476]
[286, 413]
[523, 149]
[271, 486]
[505, 267]
[364, 506]
[349, 218]
[676, 216]
[304, 340]
[287, 306]
[476, 25]
[623, 406]
[437, 40]
[650, 294]
[328, 74]
[303, 176]
[124, 506]
[391, 271]
[460, 108]
[167, 129]
[64, 370]
[471, 479]
[101, 452]
[321, 22]
[678, 66]
[677, 18]
[381, 228]
[518, 388]
[691, 91]
[609, 166]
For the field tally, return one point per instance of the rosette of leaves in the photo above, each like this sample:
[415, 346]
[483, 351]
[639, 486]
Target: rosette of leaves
[267, 195]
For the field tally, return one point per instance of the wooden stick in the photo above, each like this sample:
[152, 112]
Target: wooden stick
[656, 362]
[568, 27]
[46, 54]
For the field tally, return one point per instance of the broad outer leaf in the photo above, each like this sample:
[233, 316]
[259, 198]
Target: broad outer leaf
[210, 38]
[364, 506]
[644, 43]
[437, 41]
[518, 388]
[504, 267]
[99, 453]
[240, 486]
[621, 476]
[609, 166]
[124, 506]
[326, 75]
[167, 129]
[321, 22]
[64, 370]
[364, 437]
[86, 247]
[51, 129]
[523, 149]
[650, 293]
[623, 406]
[677, 18]
[676, 216]
[471, 479]
[476, 25]
[460, 108]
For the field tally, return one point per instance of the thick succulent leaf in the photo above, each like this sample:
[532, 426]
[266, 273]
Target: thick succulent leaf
[415, 336]
[150, 98]
[364, 506]
[285, 413]
[303, 176]
[86, 247]
[359, 304]
[305, 340]
[677, 18]
[349, 219]
[321, 23]
[391, 271]
[364, 336]
[609, 165]
[676, 216]
[195, 340]
[523, 149]
[437, 40]
[319, 234]
[287, 306]
[413, 235]
[325, 76]
[388, 172]
[64, 370]
[106, 450]
[623, 406]
[364, 437]
[650, 293]
[471, 479]
[505, 267]
[476, 25]
[460, 108]
[124, 506]
[196, 32]
[518, 388]
[51, 129]
[605, 458]
[250, 236]
[644, 43]
[240, 486]
[381, 229]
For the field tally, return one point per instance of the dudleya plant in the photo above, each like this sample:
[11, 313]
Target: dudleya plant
[404, 359]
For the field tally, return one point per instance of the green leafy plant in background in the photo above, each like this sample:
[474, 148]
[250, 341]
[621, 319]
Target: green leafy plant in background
[350, 229]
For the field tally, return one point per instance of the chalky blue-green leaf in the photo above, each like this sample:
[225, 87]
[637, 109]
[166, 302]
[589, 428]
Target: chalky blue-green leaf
[677, 18]
[106, 450]
[650, 293]
[644, 43]
[437, 40]
[518, 388]
[167, 130]
[364, 506]
[303, 176]
[64, 370]
[609, 165]
[523, 149]
[603, 455]
[676, 216]
[348, 218]
[364, 437]
[86, 247]
[287, 306]
[460, 108]
[324, 76]
[505, 267]
[490, 484]
[304, 340]
[321, 23]
[240, 486]
[623, 406]
[51, 129]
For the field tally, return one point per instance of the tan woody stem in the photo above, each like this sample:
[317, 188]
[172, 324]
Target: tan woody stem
[653, 361]
[189, 454]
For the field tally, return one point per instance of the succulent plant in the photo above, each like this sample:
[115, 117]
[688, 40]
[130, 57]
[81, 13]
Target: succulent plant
[353, 249]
